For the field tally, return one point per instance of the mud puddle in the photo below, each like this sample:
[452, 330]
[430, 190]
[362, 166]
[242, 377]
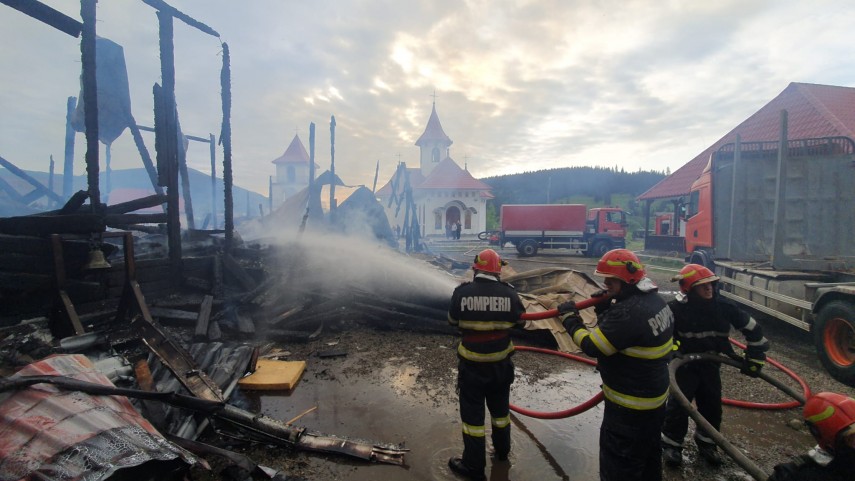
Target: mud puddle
[402, 402]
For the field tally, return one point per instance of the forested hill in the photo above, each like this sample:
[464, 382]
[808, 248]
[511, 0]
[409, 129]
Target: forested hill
[560, 186]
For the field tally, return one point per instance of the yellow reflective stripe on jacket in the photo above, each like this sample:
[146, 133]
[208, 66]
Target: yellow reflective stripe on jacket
[485, 357]
[485, 325]
[649, 352]
[602, 343]
[474, 431]
[580, 336]
[634, 402]
[501, 422]
[452, 320]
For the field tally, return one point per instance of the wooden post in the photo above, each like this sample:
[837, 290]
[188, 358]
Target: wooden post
[226, 139]
[181, 146]
[90, 100]
[146, 158]
[169, 130]
[332, 166]
[68, 160]
[213, 147]
[50, 179]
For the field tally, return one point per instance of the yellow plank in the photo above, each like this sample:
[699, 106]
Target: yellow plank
[273, 375]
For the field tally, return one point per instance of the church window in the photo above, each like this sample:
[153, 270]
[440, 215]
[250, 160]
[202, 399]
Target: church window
[467, 219]
[434, 155]
[291, 174]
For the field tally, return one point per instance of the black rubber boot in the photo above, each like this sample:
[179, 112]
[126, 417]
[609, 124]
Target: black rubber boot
[710, 453]
[673, 456]
[456, 465]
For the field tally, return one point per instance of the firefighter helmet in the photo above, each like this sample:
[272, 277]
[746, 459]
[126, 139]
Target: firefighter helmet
[692, 275]
[488, 260]
[622, 264]
[827, 415]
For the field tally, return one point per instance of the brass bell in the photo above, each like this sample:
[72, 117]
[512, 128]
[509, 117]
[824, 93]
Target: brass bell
[96, 260]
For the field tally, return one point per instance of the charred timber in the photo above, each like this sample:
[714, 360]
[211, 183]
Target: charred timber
[47, 15]
[170, 10]
[56, 224]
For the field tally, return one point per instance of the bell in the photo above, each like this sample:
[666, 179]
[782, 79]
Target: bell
[96, 260]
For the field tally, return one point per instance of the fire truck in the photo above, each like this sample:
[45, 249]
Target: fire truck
[532, 227]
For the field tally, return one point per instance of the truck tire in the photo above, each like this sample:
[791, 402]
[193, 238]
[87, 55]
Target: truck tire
[834, 339]
[527, 248]
[599, 248]
[702, 258]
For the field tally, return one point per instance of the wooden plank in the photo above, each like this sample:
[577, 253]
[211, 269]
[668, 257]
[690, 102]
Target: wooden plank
[167, 314]
[204, 318]
[272, 375]
[59, 224]
[232, 267]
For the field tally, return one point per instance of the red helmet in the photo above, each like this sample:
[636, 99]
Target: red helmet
[828, 414]
[488, 261]
[622, 264]
[692, 275]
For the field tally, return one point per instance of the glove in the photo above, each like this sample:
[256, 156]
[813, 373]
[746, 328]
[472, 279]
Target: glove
[751, 367]
[568, 307]
[572, 324]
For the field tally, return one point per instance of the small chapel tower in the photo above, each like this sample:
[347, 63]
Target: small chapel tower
[433, 144]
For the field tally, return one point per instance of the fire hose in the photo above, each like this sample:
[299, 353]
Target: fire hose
[597, 398]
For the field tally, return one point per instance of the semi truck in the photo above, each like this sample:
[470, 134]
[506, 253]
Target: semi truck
[532, 227]
[776, 222]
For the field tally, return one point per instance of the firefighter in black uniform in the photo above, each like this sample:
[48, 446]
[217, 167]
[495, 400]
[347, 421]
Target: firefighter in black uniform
[484, 310]
[702, 324]
[831, 419]
[632, 343]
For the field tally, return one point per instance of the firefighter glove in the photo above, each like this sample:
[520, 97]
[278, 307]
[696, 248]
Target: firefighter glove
[751, 367]
[568, 307]
[572, 324]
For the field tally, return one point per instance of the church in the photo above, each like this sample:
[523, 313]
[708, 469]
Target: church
[292, 172]
[443, 193]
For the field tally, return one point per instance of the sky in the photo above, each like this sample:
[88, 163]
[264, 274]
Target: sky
[519, 85]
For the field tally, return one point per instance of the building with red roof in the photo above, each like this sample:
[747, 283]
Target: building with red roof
[444, 193]
[813, 111]
[292, 172]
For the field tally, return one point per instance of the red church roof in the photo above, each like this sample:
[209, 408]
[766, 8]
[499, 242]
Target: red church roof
[813, 111]
[416, 178]
[448, 175]
[294, 154]
[433, 130]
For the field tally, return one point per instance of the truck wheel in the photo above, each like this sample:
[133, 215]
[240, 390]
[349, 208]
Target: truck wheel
[702, 258]
[599, 248]
[834, 338]
[527, 248]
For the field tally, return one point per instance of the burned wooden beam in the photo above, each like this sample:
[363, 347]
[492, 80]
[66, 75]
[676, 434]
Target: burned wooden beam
[90, 100]
[47, 15]
[55, 224]
[136, 204]
[169, 9]
[38, 185]
[204, 317]
[127, 219]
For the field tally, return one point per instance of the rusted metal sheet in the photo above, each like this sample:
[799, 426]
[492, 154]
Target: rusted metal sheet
[50, 434]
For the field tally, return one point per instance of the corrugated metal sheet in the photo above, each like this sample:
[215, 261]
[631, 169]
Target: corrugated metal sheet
[51, 434]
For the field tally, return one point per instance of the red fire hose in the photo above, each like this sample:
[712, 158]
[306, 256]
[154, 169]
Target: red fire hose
[770, 406]
[597, 398]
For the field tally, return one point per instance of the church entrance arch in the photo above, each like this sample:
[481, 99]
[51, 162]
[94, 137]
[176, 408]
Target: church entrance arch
[452, 214]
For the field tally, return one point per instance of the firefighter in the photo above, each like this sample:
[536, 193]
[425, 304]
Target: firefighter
[484, 310]
[632, 344]
[703, 324]
[831, 419]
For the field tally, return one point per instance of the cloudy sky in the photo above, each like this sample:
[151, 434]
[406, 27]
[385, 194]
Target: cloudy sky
[521, 85]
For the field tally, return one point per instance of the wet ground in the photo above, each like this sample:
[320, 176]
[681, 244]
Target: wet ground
[398, 387]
